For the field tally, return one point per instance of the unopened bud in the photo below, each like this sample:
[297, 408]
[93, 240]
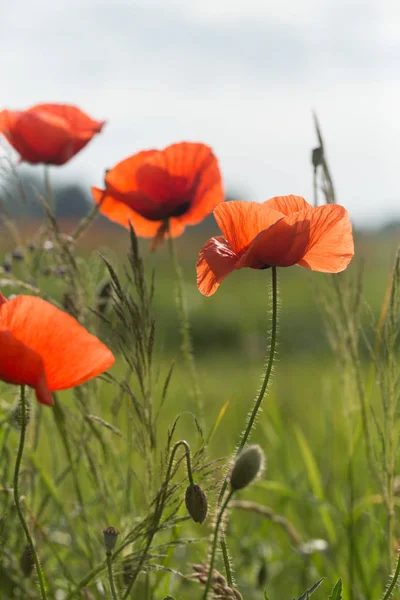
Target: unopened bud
[262, 575]
[31, 246]
[26, 561]
[196, 503]
[247, 466]
[17, 254]
[110, 538]
[316, 157]
[104, 293]
[7, 264]
[60, 270]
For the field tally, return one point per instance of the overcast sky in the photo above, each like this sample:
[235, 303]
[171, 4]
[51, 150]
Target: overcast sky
[240, 75]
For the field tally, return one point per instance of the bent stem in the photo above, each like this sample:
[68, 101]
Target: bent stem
[111, 576]
[268, 371]
[186, 341]
[214, 544]
[159, 508]
[17, 500]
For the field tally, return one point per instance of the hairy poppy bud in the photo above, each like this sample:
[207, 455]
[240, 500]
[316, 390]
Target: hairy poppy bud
[104, 293]
[262, 575]
[316, 157]
[26, 561]
[110, 538]
[61, 270]
[196, 503]
[17, 254]
[247, 467]
[7, 264]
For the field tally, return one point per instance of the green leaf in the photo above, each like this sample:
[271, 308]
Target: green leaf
[312, 589]
[336, 593]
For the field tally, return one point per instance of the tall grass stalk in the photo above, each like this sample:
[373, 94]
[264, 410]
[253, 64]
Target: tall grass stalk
[186, 339]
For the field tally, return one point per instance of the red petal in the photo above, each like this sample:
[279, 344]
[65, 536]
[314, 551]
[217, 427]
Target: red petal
[216, 261]
[184, 176]
[282, 245]
[331, 246]
[241, 221]
[287, 204]
[48, 133]
[119, 212]
[70, 354]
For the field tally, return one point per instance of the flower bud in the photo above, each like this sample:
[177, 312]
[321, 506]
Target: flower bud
[104, 293]
[247, 466]
[17, 254]
[316, 157]
[26, 561]
[7, 264]
[110, 538]
[196, 503]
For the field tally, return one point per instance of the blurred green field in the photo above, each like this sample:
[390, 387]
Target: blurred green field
[302, 427]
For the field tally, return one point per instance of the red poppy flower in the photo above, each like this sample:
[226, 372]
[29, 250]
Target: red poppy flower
[280, 232]
[157, 189]
[48, 133]
[46, 349]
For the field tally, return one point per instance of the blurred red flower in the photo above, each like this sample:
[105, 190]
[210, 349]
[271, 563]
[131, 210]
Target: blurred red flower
[280, 232]
[48, 133]
[160, 190]
[45, 348]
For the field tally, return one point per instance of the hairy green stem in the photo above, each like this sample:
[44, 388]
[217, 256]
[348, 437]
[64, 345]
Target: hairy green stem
[48, 192]
[111, 576]
[186, 340]
[266, 379]
[394, 581]
[29, 538]
[214, 544]
[227, 564]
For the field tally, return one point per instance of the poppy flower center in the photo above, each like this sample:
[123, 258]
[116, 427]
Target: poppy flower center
[180, 210]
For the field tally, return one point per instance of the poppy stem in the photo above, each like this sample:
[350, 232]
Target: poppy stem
[186, 340]
[214, 543]
[159, 509]
[17, 498]
[393, 583]
[48, 192]
[111, 576]
[268, 371]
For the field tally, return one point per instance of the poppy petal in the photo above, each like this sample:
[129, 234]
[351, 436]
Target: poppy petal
[287, 204]
[216, 260]
[242, 221]
[48, 133]
[331, 246]
[20, 365]
[282, 245]
[185, 173]
[79, 123]
[70, 354]
[121, 213]
[38, 138]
